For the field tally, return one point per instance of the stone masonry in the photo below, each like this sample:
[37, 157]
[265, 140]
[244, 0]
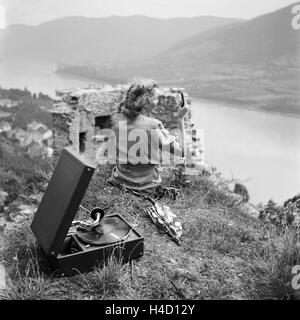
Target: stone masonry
[80, 115]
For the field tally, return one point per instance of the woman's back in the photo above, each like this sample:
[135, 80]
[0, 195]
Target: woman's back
[138, 144]
[140, 139]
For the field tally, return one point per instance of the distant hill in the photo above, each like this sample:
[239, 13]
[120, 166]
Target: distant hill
[101, 40]
[254, 63]
[262, 39]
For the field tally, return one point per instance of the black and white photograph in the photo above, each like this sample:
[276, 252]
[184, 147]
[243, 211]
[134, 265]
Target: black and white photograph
[149, 151]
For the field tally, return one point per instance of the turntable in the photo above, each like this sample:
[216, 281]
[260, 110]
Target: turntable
[77, 246]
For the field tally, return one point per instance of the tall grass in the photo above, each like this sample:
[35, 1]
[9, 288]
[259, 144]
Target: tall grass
[225, 248]
[273, 267]
[106, 280]
[26, 281]
[29, 277]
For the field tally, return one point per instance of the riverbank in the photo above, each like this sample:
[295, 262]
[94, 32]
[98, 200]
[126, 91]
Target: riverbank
[241, 107]
[83, 73]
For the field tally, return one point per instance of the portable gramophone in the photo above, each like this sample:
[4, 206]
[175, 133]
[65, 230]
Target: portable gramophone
[77, 246]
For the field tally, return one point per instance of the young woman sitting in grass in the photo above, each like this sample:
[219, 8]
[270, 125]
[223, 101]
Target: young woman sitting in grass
[140, 140]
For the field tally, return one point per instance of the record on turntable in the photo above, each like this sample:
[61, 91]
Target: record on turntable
[108, 231]
[78, 246]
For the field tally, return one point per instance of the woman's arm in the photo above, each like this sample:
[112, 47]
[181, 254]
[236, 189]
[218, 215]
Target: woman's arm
[182, 111]
[169, 141]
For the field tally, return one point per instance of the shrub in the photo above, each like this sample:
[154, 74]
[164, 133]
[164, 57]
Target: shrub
[241, 190]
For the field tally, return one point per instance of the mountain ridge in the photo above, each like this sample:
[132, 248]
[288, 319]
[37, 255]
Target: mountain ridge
[254, 64]
[101, 40]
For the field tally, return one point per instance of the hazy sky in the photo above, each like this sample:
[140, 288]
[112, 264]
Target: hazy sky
[37, 11]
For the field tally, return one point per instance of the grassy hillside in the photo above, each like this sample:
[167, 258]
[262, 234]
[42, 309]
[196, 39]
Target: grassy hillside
[224, 253]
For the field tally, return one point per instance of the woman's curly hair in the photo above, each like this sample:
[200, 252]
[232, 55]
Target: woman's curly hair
[139, 95]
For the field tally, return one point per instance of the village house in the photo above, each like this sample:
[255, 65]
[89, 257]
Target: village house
[7, 116]
[40, 133]
[3, 197]
[8, 103]
[23, 137]
[5, 126]
[6, 119]
[35, 126]
[38, 139]
[36, 150]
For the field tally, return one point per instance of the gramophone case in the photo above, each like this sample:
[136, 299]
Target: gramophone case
[56, 212]
[68, 264]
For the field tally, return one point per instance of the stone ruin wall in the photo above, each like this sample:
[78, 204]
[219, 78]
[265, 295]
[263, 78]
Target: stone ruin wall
[78, 116]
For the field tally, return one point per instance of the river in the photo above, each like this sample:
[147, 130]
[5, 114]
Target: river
[260, 149]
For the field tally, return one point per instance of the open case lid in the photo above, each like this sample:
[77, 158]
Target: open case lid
[61, 200]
